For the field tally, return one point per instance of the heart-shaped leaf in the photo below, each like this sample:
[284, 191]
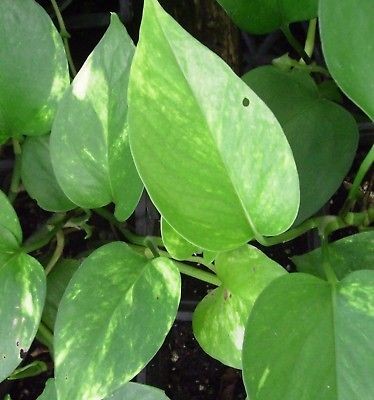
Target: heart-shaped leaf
[38, 176]
[315, 128]
[216, 182]
[264, 16]
[33, 69]
[122, 305]
[220, 318]
[178, 247]
[89, 142]
[22, 287]
[350, 57]
[308, 339]
[346, 255]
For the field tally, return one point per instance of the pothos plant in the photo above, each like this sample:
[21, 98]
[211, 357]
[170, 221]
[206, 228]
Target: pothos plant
[230, 162]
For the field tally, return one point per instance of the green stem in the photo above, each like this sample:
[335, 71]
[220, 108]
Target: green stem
[60, 243]
[295, 44]
[329, 222]
[45, 336]
[16, 175]
[354, 191]
[131, 237]
[310, 38]
[65, 37]
[45, 234]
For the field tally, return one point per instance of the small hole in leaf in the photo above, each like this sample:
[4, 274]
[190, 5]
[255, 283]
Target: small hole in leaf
[245, 102]
[17, 343]
[4, 356]
[22, 353]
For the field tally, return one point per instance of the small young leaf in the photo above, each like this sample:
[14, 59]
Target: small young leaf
[33, 369]
[350, 57]
[38, 176]
[33, 70]
[214, 181]
[89, 142]
[315, 128]
[308, 339]
[346, 255]
[123, 305]
[178, 247]
[220, 318]
[10, 229]
[264, 16]
[22, 287]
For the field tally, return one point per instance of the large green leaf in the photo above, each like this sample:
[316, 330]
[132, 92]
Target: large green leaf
[346, 255]
[211, 154]
[177, 246]
[10, 229]
[122, 305]
[315, 128]
[89, 141]
[33, 69]
[38, 176]
[347, 32]
[220, 318]
[131, 391]
[264, 16]
[307, 339]
[57, 282]
[22, 288]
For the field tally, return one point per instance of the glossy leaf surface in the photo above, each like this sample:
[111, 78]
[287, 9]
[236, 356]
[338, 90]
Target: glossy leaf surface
[315, 334]
[89, 148]
[57, 282]
[350, 57]
[264, 16]
[220, 318]
[10, 229]
[213, 181]
[22, 284]
[308, 121]
[38, 176]
[33, 69]
[346, 255]
[122, 305]
[178, 247]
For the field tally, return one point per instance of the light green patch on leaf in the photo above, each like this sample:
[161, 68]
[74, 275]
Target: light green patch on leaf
[346, 255]
[211, 154]
[347, 32]
[123, 305]
[317, 335]
[178, 247]
[33, 69]
[38, 176]
[264, 16]
[22, 287]
[89, 141]
[220, 319]
[308, 122]
[57, 282]
[10, 229]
